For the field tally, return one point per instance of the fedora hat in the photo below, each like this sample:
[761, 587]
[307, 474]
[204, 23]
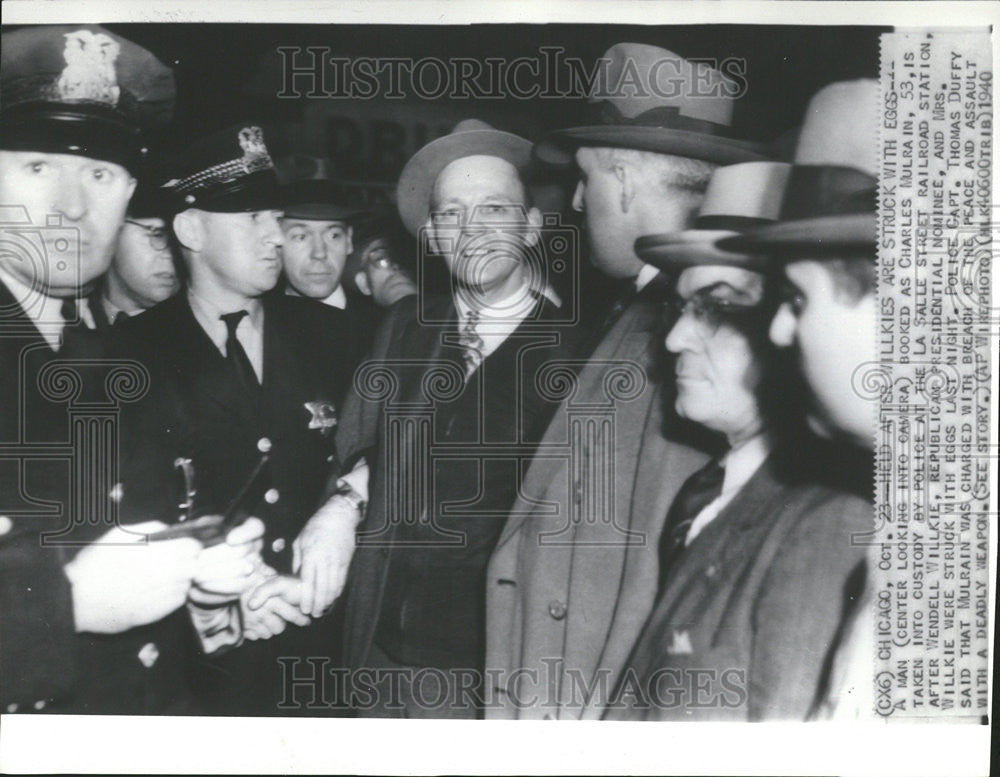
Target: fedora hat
[738, 198]
[316, 199]
[470, 137]
[650, 99]
[829, 202]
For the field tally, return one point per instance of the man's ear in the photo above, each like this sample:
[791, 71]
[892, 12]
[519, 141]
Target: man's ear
[533, 231]
[131, 187]
[350, 240]
[361, 281]
[189, 229]
[625, 176]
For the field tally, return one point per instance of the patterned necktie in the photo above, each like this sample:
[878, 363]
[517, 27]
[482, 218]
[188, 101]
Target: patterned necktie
[472, 343]
[235, 355]
[698, 491]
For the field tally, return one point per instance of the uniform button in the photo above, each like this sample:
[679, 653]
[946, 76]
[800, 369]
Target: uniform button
[40, 704]
[272, 495]
[278, 545]
[12, 708]
[710, 570]
[330, 458]
[116, 493]
[6, 524]
[557, 610]
[264, 445]
[149, 654]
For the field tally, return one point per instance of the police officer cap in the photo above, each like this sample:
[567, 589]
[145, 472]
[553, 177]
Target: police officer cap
[80, 90]
[229, 171]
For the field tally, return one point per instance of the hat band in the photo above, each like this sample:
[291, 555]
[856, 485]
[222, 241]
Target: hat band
[664, 117]
[730, 223]
[88, 130]
[257, 191]
[820, 190]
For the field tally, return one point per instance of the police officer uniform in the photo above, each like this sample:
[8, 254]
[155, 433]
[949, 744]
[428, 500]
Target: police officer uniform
[84, 91]
[225, 422]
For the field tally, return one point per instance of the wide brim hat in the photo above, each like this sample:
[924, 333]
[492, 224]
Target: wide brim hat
[830, 199]
[316, 199]
[651, 99]
[470, 137]
[738, 198]
[81, 90]
[229, 171]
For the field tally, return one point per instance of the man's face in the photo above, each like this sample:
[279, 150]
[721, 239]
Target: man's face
[74, 207]
[611, 231]
[833, 336]
[314, 255]
[717, 371]
[386, 280]
[479, 222]
[240, 250]
[143, 268]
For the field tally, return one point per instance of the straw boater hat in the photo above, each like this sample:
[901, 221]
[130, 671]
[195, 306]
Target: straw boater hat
[738, 197]
[470, 137]
[678, 107]
[829, 202]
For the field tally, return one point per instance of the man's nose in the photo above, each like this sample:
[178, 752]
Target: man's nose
[317, 248]
[679, 338]
[578, 197]
[71, 198]
[782, 330]
[271, 230]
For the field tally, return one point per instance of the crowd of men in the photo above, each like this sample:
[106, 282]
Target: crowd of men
[318, 488]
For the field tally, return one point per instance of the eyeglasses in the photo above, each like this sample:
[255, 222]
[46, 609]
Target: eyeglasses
[712, 312]
[158, 237]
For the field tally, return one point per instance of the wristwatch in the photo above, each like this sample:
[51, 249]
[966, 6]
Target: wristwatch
[347, 491]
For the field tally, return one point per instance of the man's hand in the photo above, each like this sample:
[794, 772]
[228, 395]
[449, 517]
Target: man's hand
[227, 570]
[272, 604]
[322, 552]
[120, 581]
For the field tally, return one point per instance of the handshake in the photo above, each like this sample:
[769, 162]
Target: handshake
[122, 580]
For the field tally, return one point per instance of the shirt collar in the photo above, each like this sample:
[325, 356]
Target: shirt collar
[646, 274]
[44, 311]
[338, 299]
[745, 459]
[208, 315]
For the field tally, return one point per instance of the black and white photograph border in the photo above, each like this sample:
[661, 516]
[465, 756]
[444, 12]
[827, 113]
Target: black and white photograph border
[370, 124]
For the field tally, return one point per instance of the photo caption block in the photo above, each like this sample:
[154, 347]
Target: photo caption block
[936, 231]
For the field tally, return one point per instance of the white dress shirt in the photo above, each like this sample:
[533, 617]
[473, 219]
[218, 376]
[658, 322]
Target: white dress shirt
[44, 311]
[739, 465]
[499, 320]
[250, 330]
[646, 274]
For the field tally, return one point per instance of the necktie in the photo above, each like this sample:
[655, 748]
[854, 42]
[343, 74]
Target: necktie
[235, 354]
[472, 343]
[697, 492]
[72, 324]
[120, 317]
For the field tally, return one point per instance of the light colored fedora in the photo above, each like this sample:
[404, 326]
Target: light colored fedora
[739, 197]
[829, 201]
[651, 99]
[470, 137]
